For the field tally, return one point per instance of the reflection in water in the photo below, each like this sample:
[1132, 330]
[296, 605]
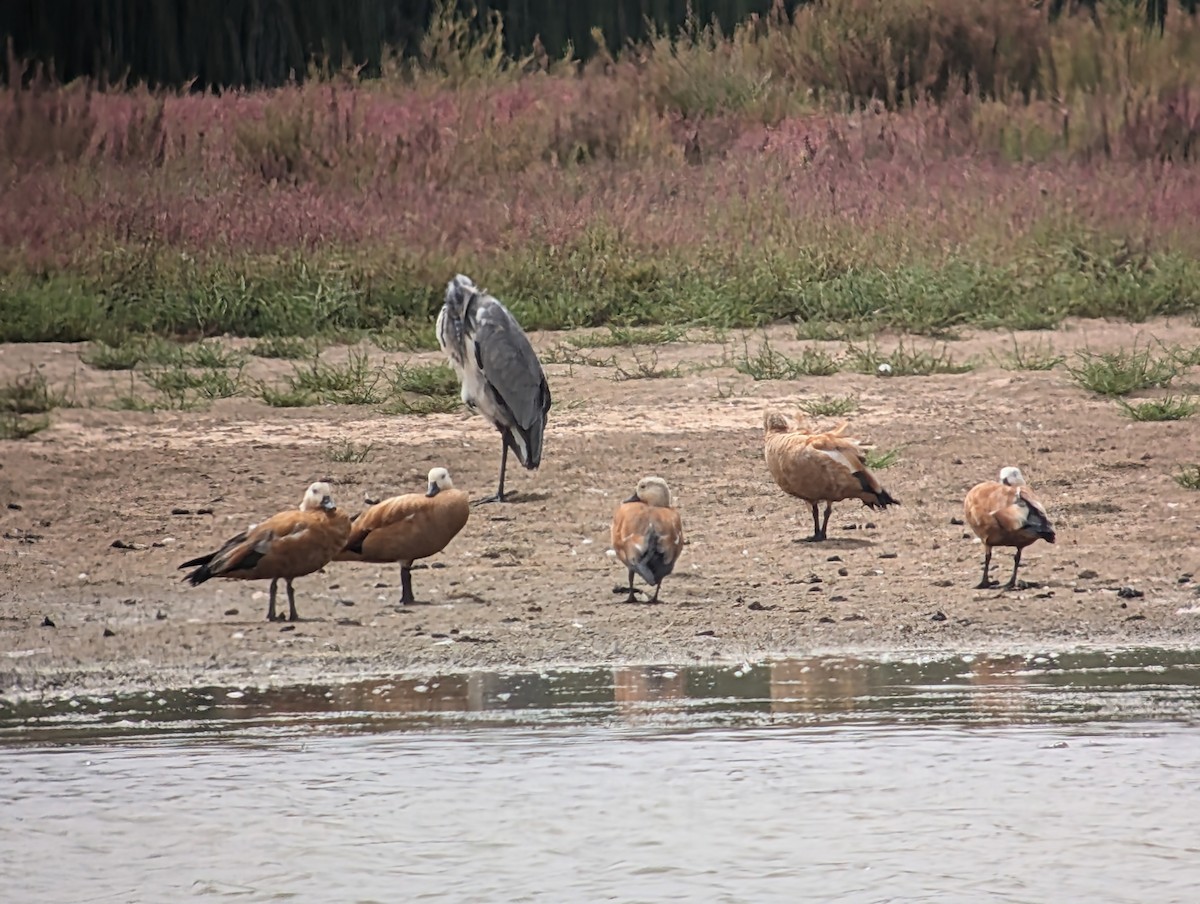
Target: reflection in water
[1004, 689]
[1004, 778]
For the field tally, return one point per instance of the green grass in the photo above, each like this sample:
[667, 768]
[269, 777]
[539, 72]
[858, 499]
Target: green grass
[770, 364]
[406, 336]
[284, 347]
[1168, 408]
[184, 386]
[905, 361]
[30, 394]
[345, 450]
[355, 382]
[646, 367]
[596, 278]
[1034, 355]
[829, 406]
[1189, 477]
[285, 397]
[21, 426]
[876, 460]
[423, 389]
[126, 355]
[1122, 372]
[624, 336]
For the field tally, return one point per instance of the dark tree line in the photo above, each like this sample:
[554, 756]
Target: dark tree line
[221, 43]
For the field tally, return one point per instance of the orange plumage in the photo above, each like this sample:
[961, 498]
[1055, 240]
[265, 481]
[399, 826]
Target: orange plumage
[1006, 513]
[647, 534]
[410, 527]
[820, 467]
[286, 546]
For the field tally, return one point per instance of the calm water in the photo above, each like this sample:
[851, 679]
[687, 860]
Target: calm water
[1052, 778]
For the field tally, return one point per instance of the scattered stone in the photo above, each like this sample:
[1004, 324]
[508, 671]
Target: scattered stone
[843, 572]
[129, 601]
[207, 510]
[854, 617]
[708, 633]
[938, 616]
[756, 606]
[13, 507]
[1135, 617]
[349, 622]
[344, 602]
[815, 589]
[889, 555]
[287, 628]
[534, 608]
[48, 622]
[825, 620]
[380, 585]
[836, 599]
[1044, 450]
[1087, 575]
[944, 582]
[1130, 593]
[159, 615]
[956, 461]
[870, 525]
[181, 511]
[1185, 578]
[957, 522]
[109, 632]
[121, 544]
[834, 559]
[231, 612]
[811, 579]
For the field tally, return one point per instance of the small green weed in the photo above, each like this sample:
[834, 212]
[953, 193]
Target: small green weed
[290, 397]
[829, 406]
[769, 364]
[176, 382]
[30, 394]
[20, 426]
[879, 460]
[1168, 408]
[645, 367]
[424, 389]
[352, 383]
[125, 356]
[425, 379]
[622, 336]
[406, 336]
[1121, 372]
[1189, 477]
[904, 362]
[1031, 356]
[345, 450]
[283, 347]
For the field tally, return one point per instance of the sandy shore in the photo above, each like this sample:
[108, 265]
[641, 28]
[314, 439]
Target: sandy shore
[530, 583]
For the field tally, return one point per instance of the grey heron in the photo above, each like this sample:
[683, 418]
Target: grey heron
[501, 375]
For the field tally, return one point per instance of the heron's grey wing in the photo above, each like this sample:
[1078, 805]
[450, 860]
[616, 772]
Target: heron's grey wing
[510, 366]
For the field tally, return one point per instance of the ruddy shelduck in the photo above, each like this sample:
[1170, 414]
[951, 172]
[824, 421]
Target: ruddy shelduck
[1006, 513]
[410, 527]
[820, 467]
[647, 534]
[286, 546]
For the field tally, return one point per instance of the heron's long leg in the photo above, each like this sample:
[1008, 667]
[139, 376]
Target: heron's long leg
[499, 497]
